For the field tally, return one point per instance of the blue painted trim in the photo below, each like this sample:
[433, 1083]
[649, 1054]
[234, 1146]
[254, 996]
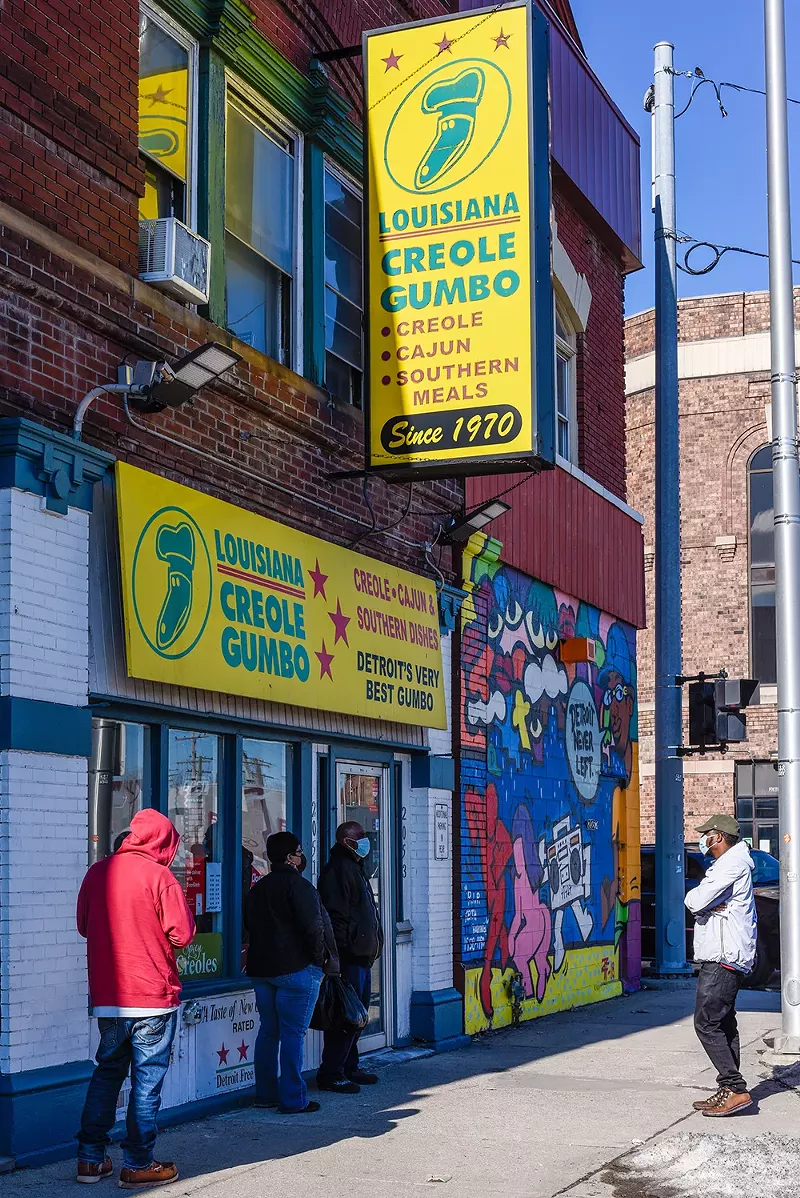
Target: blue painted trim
[32, 726]
[438, 773]
[450, 599]
[437, 1016]
[50, 464]
[541, 240]
[40, 1110]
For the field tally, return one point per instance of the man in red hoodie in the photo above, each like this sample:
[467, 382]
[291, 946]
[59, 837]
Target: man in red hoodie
[133, 913]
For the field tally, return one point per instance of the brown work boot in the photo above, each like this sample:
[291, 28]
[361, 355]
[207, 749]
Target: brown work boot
[91, 1171]
[703, 1104]
[156, 1174]
[726, 1102]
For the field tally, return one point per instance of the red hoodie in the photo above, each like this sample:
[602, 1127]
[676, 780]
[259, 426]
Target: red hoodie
[133, 913]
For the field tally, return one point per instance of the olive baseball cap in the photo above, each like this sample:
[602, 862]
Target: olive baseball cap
[720, 823]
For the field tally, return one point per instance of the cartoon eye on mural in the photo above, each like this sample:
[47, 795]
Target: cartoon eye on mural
[549, 838]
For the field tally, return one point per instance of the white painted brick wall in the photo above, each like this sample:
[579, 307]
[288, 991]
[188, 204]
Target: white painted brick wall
[43, 837]
[44, 601]
[431, 886]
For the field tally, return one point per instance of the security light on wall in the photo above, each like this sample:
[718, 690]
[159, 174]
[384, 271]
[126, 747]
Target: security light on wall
[154, 386]
[175, 385]
[461, 528]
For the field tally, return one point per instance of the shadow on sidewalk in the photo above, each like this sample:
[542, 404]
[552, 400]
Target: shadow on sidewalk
[248, 1137]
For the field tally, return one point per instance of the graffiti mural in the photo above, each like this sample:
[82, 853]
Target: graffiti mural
[550, 799]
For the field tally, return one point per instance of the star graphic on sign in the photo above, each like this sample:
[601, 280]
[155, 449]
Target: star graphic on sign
[392, 61]
[444, 44]
[502, 40]
[243, 1051]
[222, 1053]
[325, 659]
[340, 622]
[159, 96]
[319, 580]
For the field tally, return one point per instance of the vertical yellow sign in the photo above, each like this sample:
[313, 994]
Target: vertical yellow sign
[450, 330]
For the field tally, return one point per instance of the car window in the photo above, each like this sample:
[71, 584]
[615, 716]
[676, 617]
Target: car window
[648, 872]
[767, 870]
[695, 867]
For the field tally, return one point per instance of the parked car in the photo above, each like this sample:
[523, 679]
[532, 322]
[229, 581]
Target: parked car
[766, 882]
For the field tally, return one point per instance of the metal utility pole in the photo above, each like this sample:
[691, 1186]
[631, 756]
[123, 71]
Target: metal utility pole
[670, 886]
[786, 482]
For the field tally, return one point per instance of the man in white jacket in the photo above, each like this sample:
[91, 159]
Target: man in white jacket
[725, 948]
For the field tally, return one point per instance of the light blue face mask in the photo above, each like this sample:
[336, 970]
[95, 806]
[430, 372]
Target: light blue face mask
[703, 844]
[362, 846]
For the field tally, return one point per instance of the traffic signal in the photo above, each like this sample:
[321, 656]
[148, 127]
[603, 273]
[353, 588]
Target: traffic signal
[716, 715]
[731, 695]
[702, 714]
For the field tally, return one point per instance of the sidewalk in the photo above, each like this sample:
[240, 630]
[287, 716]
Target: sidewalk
[535, 1112]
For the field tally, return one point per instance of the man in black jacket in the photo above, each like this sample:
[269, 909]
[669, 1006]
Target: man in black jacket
[286, 957]
[348, 899]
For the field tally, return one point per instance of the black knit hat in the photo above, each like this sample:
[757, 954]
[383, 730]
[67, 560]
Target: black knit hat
[280, 845]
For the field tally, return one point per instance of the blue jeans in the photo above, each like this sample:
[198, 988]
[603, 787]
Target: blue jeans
[142, 1045]
[340, 1053]
[285, 1006]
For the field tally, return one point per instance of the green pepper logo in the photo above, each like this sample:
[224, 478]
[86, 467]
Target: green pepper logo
[171, 582]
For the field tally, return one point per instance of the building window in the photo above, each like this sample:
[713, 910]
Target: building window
[118, 782]
[193, 773]
[566, 391]
[757, 804]
[167, 75]
[343, 289]
[261, 230]
[762, 567]
[266, 768]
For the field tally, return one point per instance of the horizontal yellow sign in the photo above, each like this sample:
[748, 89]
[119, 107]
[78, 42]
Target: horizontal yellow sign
[449, 240]
[219, 598]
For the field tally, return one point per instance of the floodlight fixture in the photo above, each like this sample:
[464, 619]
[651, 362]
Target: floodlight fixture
[462, 527]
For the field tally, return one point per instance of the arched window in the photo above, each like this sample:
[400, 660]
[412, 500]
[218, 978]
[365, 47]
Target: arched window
[566, 390]
[763, 660]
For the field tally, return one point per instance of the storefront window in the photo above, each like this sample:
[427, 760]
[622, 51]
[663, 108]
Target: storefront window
[194, 810]
[117, 783]
[265, 774]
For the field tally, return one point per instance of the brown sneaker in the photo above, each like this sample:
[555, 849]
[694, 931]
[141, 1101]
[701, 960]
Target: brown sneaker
[704, 1104]
[726, 1102]
[157, 1174]
[91, 1171]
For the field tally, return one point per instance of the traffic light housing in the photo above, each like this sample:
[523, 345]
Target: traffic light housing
[731, 695]
[716, 715]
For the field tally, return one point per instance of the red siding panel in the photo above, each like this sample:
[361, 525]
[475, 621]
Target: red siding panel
[564, 533]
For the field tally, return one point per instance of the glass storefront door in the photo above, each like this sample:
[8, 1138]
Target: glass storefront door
[363, 796]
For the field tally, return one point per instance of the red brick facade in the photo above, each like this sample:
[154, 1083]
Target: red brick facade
[724, 391]
[72, 308]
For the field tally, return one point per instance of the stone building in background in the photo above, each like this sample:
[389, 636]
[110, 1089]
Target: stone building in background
[727, 553]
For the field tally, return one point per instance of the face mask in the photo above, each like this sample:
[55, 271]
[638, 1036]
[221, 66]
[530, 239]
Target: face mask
[301, 868]
[362, 846]
[704, 845]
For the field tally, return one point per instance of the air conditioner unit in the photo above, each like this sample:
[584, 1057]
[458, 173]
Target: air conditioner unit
[174, 259]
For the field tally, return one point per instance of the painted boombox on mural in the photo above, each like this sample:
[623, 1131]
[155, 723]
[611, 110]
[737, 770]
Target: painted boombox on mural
[567, 864]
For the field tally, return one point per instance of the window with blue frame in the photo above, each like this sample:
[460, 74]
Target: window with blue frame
[261, 229]
[344, 353]
[219, 790]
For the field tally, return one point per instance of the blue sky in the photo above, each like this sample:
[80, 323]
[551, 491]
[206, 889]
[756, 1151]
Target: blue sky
[720, 164]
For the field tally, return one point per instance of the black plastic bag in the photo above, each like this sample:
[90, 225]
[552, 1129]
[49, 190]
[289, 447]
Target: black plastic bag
[338, 1007]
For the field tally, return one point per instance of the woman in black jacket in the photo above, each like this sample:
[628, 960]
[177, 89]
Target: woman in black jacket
[286, 958]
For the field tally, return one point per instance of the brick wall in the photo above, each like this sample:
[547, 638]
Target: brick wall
[68, 120]
[43, 813]
[722, 423]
